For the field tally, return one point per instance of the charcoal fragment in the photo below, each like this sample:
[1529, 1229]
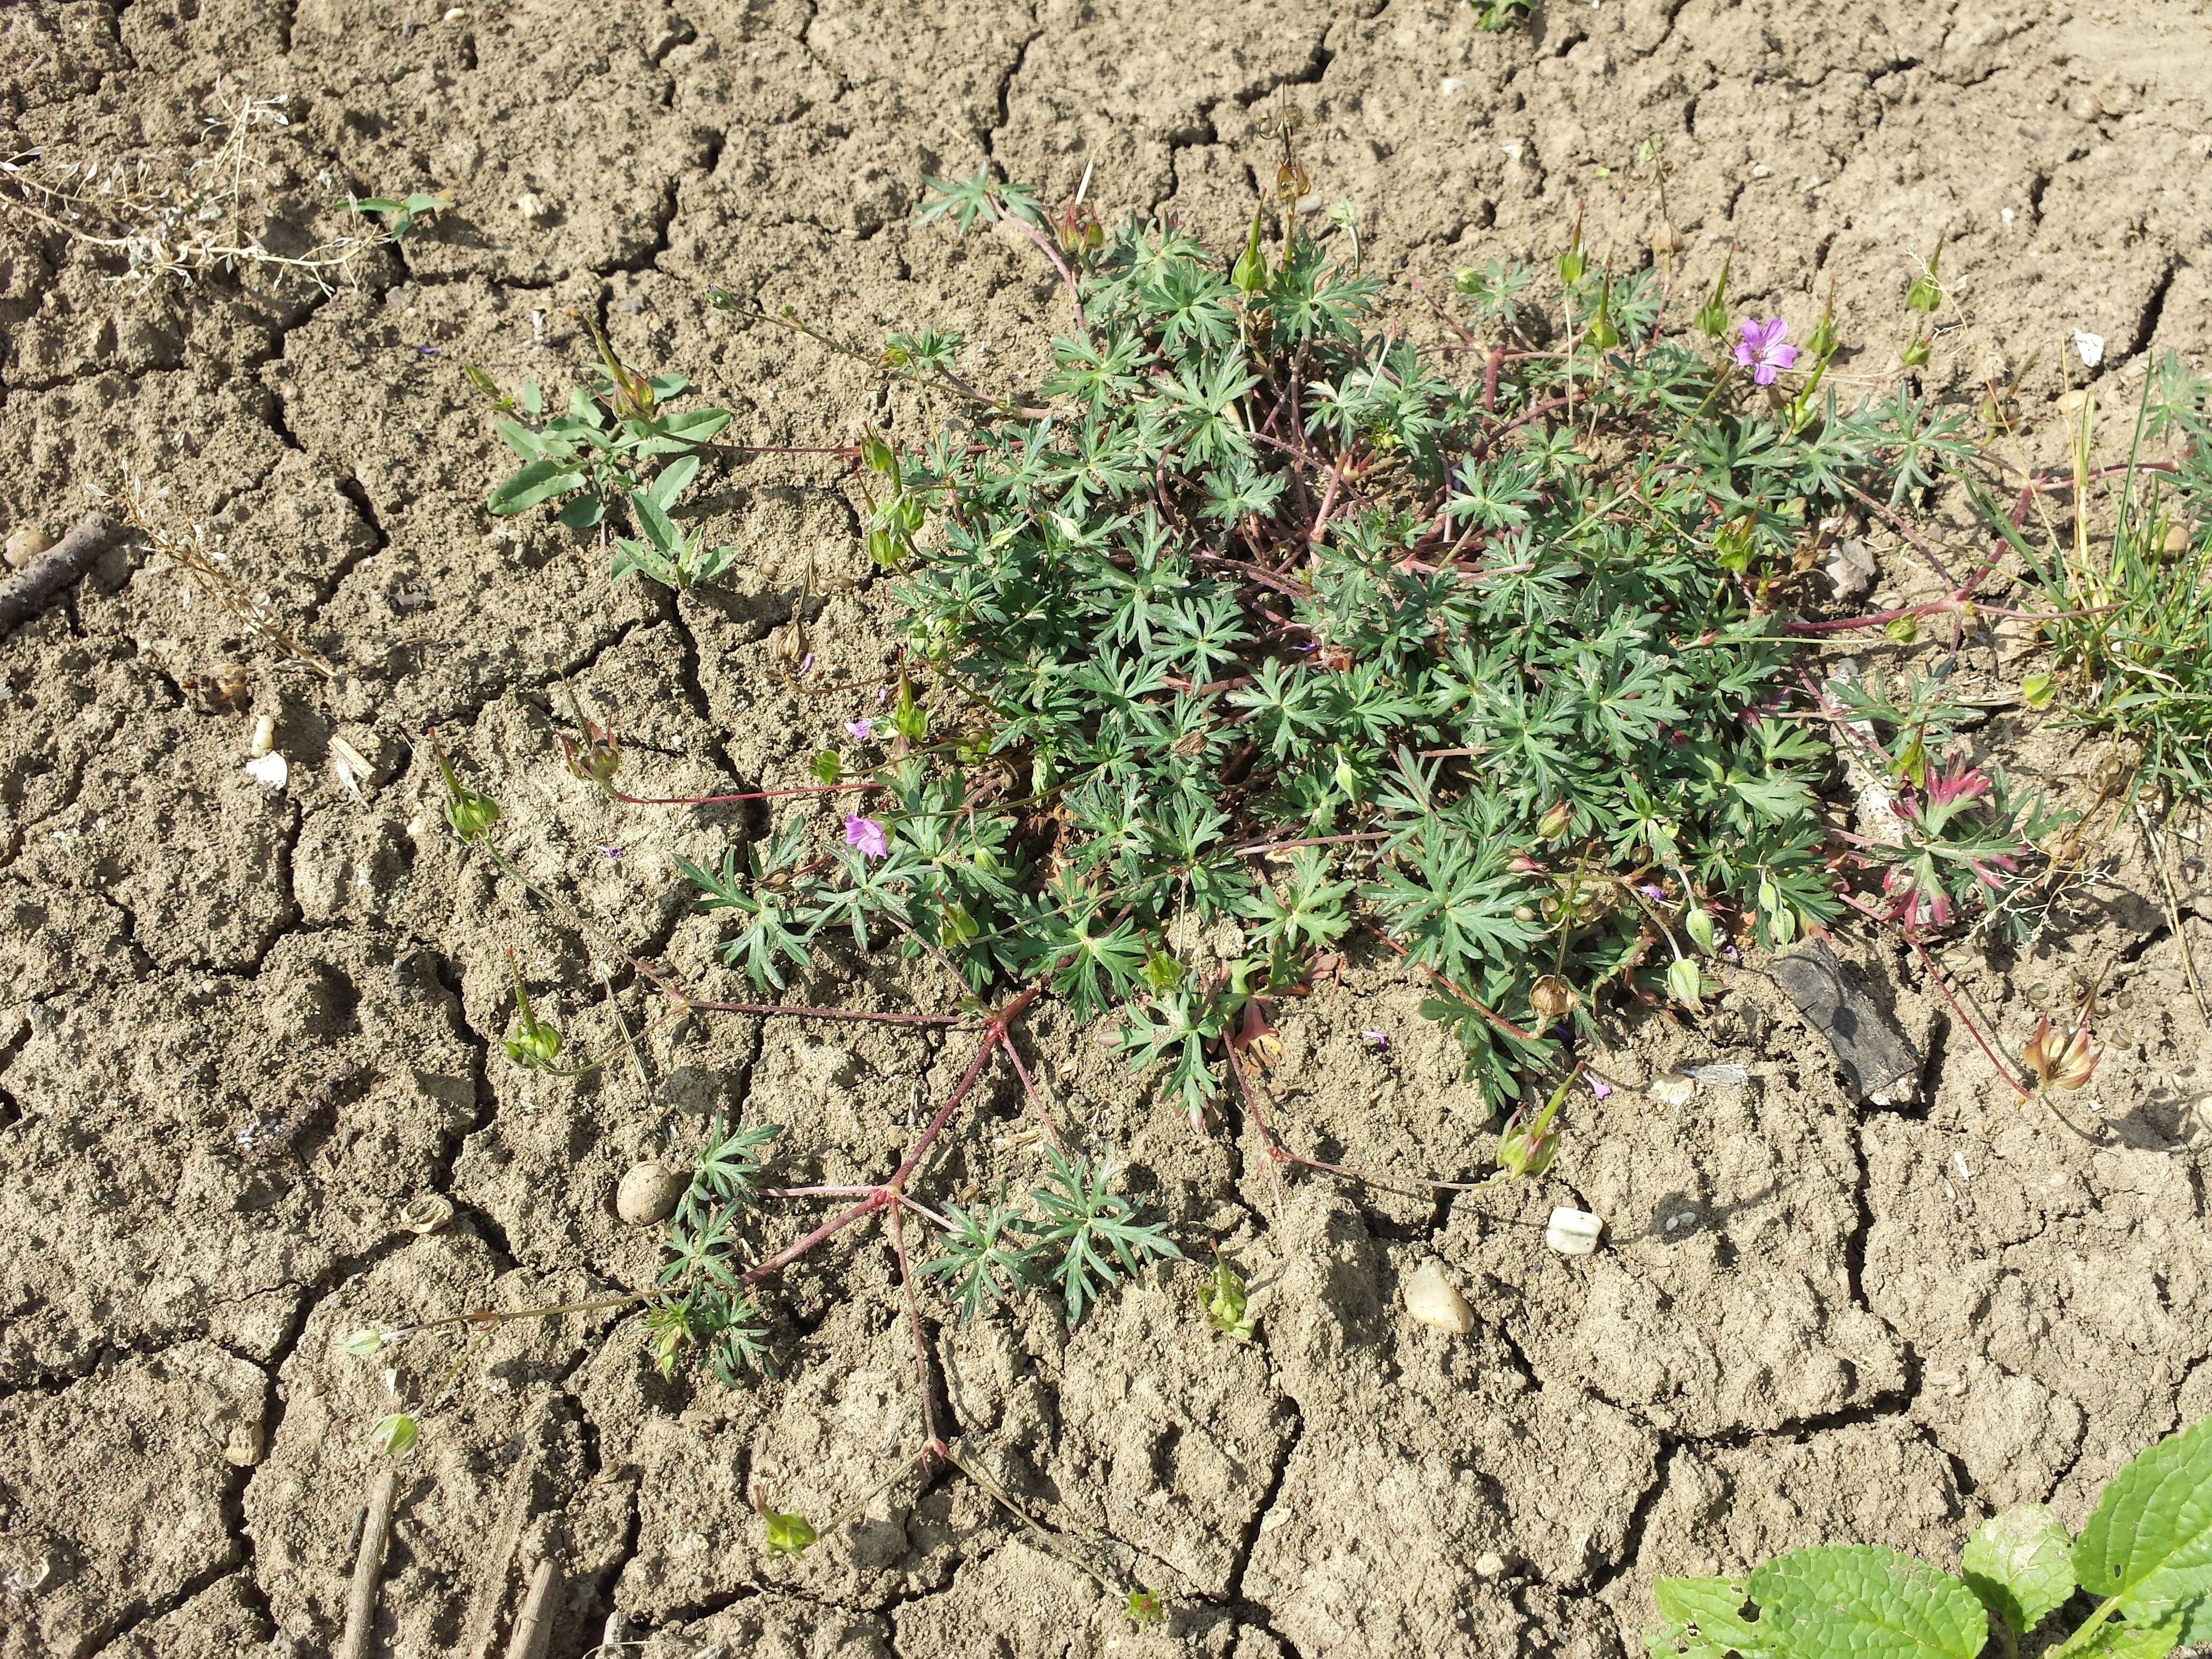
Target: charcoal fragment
[1878, 1061]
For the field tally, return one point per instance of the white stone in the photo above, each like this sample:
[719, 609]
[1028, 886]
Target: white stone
[1574, 1232]
[1434, 1300]
[2091, 347]
[270, 771]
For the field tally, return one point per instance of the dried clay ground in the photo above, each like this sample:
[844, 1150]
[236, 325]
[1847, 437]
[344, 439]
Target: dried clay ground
[1811, 1320]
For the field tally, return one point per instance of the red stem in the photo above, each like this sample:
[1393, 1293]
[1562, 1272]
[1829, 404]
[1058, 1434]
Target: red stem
[1276, 1153]
[819, 1013]
[913, 1323]
[1498, 1020]
[1035, 1100]
[1944, 985]
[754, 794]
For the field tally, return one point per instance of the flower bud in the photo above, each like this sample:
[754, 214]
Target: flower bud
[1712, 317]
[1250, 271]
[1558, 818]
[1525, 1151]
[788, 1534]
[469, 811]
[363, 1345]
[395, 1434]
[1699, 925]
[1684, 982]
[596, 758]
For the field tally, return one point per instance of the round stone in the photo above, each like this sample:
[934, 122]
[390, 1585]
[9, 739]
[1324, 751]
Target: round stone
[648, 1194]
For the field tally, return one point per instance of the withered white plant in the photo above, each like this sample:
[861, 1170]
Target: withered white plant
[215, 214]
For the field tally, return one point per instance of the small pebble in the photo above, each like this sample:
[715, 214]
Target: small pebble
[1673, 1089]
[648, 1194]
[264, 736]
[25, 544]
[1573, 1232]
[1434, 1300]
[1489, 1565]
[271, 771]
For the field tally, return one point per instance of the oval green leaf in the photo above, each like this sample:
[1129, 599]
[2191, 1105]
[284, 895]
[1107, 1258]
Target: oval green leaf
[1861, 1602]
[2150, 1542]
[540, 480]
[2021, 1563]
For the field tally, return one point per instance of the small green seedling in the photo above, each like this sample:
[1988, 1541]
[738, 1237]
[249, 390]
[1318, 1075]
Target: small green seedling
[1143, 1608]
[616, 439]
[401, 214]
[667, 554]
[1221, 1300]
[396, 1434]
[2145, 1556]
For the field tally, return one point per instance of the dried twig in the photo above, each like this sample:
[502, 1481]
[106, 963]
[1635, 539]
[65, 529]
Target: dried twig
[367, 1566]
[533, 1625]
[53, 573]
[2173, 916]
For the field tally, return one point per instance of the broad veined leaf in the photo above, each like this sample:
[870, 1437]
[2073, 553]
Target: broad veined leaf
[1703, 1618]
[1861, 1602]
[2021, 1563]
[2150, 1542]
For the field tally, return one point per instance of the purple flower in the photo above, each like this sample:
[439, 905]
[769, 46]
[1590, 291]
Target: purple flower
[1761, 349]
[867, 835]
[612, 851]
[1380, 1039]
[1598, 1086]
[861, 729]
[1653, 891]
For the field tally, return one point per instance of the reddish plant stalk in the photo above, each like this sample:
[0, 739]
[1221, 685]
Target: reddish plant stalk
[750, 795]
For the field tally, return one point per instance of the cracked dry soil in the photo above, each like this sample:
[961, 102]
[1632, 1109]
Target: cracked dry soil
[1811, 1320]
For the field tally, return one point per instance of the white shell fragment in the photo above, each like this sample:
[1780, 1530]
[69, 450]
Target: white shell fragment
[427, 1213]
[1435, 1301]
[2090, 346]
[271, 771]
[648, 1193]
[1573, 1232]
[351, 766]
